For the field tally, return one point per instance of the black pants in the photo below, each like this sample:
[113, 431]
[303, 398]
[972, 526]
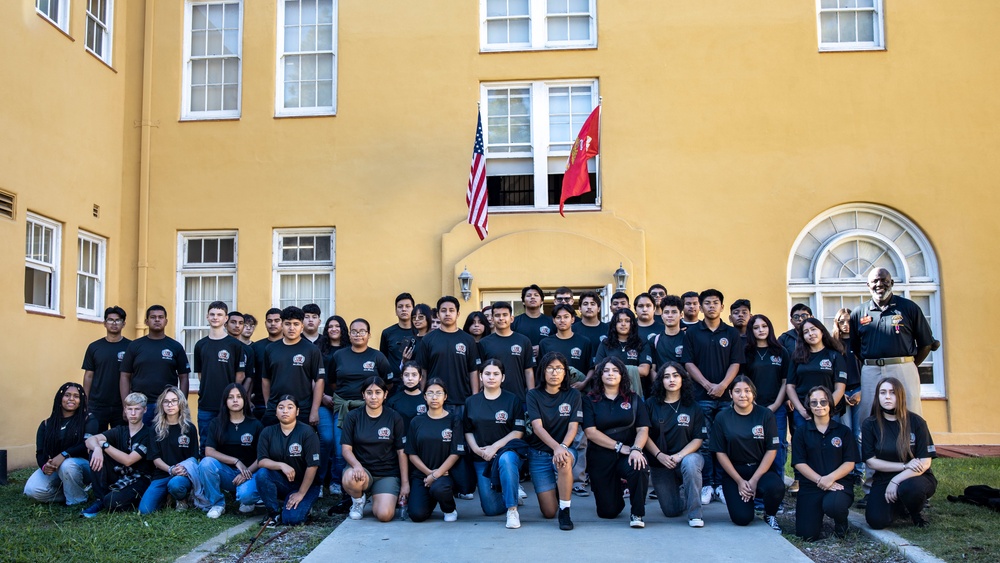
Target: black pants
[770, 489]
[423, 499]
[607, 469]
[813, 503]
[117, 498]
[463, 473]
[102, 417]
[910, 496]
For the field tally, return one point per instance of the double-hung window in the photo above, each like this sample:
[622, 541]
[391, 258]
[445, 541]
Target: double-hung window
[90, 276]
[307, 58]
[213, 51]
[518, 25]
[304, 261]
[43, 243]
[850, 25]
[530, 128]
[206, 272]
[56, 11]
[100, 15]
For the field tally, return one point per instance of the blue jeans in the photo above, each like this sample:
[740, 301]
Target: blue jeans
[679, 489]
[217, 477]
[178, 486]
[204, 422]
[497, 502]
[711, 473]
[852, 418]
[273, 488]
[65, 484]
[781, 418]
[543, 470]
[331, 461]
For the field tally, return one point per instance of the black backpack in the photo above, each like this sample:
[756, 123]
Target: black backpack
[979, 495]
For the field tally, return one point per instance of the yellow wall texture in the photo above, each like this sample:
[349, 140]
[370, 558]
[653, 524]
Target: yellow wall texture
[724, 133]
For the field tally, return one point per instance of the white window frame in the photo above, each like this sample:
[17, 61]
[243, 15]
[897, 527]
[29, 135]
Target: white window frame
[186, 271]
[52, 268]
[537, 30]
[545, 159]
[104, 27]
[812, 289]
[186, 113]
[877, 45]
[279, 94]
[280, 267]
[95, 313]
[62, 12]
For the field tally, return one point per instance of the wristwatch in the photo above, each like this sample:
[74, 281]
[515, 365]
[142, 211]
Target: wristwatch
[105, 445]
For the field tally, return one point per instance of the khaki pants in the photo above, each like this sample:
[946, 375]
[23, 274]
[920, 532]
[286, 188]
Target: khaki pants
[870, 376]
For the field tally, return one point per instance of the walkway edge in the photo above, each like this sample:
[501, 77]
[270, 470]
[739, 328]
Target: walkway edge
[910, 551]
[209, 547]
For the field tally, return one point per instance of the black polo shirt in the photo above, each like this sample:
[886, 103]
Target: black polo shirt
[515, 352]
[824, 452]
[450, 356]
[556, 412]
[618, 419]
[667, 348]
[174, 448]
[154, 364]
[672, 430]
[299, 449]
[712, 351]
[769, 373]
[534, 328]
[576, 348]
[744, 438]
[875, 443]
[826, 367]
[408, 406]
[105, 359]
[900, 330]
[350, 369]
[490, 420]
[375, 441]
[433, 440]
[394, 339]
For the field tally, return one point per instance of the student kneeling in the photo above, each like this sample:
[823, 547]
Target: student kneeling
[174, 440]
[119, 463]
[288, 457]
[60, 451]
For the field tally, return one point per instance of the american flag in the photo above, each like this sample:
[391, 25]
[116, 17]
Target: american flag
[475, 195]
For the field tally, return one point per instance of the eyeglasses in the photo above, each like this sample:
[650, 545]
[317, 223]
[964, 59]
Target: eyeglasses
[359, 332]
[171, 402]
[819, 403]
[800, 317]
[114, 321]
[555, 369]
[434, 394]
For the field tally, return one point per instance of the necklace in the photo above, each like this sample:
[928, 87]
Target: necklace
[671, 405]
[761, 355]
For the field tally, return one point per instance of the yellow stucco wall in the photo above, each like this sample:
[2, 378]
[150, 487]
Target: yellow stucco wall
[724, 133]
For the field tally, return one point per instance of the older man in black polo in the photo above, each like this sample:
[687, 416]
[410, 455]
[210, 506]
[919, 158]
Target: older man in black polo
[891, 336]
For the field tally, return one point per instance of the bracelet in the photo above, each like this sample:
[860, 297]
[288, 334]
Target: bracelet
[564, 445]
[893, 482]
[618, 447]
[634, 449]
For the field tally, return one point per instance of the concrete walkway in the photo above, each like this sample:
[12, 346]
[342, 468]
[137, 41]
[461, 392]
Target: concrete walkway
[475, 537]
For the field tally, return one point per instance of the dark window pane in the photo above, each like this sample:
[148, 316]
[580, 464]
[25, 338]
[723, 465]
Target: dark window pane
[194, 251]
[555, 190]
[926, 374]
[211, 250]
[323, 248]
[506, 191]
[227, 250]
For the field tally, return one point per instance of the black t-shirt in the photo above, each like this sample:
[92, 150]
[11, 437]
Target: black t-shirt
[154, 364]
[556, 413]
[853, 367]
[450, 356]
[328, 352]
[631, 357]
[882, 445]
[744, 438]
[392, 343]
[237, 440]
[74, 443]
[120, 438]
[258, 371]
[292, 369]
[433, 440]
[824, 452]
[375, 441]
[900, 330]
[577, 349]
[105, 359]
[515, 352]
[490, 420]
[534, 328]
[299, 449]
[408, 406]
[174, 448]
[249, 362]
[350, 369]
[789, 340]
[668, 348]
[826, 367]
[769, 373]
[671, 430]
[712, 352]
[618, 419]
[217, 362]
[648, 333]
[595, 334]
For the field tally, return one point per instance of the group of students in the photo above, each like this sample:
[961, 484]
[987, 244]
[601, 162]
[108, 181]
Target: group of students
[694, 407]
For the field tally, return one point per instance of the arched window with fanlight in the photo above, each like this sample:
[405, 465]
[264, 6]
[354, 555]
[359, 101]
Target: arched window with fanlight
[830, 260]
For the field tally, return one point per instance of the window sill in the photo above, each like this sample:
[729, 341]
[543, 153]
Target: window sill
[44, 313]
[554, 209]
[104, 62]
[491, 50]
[55, 25]
[95, 320]
[190, 119]
[324, 113]
[848, 49]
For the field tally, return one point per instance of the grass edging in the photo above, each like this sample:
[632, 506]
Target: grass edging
[912, 552]
[209, 547]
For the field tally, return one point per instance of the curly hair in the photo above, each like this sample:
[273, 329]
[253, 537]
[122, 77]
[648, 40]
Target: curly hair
[659, 393]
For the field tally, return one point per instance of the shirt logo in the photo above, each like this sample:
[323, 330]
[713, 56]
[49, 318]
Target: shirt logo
[865, 320]
[516, 350]
[651, 336]
[295, 449]
[460, 349]
[825, 364]
[368, 366]
[384, 433]
[315, 457]
[775, 360]
[121, 355]
[421, 409]
[724, 342]
[604, 337]
[167, 354]
[501, 417]
[446, 435]
[758, 432]
[931, 449]
[575, 353]
[897, 319]
[836, 442]
[246, 439]
[678, 351]
[683, 420]
[298, 360]
[460, 447]
[626, 405]
[913, 439]
[564, 409]
[632, 354]
[183, 441]
[544, 331]
[223, 356]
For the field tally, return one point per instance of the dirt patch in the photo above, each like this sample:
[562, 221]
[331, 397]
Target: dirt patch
[855, 548]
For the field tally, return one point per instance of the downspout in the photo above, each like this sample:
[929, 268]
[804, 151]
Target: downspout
[142, 262]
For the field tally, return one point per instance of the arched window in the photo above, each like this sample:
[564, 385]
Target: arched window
[831, 258]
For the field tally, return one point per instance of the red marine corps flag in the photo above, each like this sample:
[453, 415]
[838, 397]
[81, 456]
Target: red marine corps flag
[576, 180]
[475, 194]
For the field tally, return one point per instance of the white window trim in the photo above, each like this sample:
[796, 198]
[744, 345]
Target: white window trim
[55, 268]
[186, 113]
[108, 28]
[279, 267]
[279, 73]
[877, 45]
[62, 22]
[540, 151]
[537, 30]
[97, 313]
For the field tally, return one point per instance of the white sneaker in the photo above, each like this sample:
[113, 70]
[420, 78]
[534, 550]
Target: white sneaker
[720, 495]
[357, 508]
[513, 519]
[247, 508]
[451, 516]
[696, 523]
[335, 489]
[520, 492]
[216, 511]
[636, 521]
[706, 495]
[465, 496]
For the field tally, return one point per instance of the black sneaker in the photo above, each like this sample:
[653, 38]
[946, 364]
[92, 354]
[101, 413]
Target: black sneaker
[93, 510]
[840, 529]
[919, 520]
[564, 522]
[863, 503]
[272, 521]
[342, 507]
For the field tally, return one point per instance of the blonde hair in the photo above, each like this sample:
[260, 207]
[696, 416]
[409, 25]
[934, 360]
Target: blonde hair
[135, 400]
[160, 424]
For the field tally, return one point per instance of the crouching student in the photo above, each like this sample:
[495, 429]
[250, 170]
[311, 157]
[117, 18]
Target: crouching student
[60, 452]
[120, 466]
[434, 443]
[231, 454]
[288, 457]
[174, 442]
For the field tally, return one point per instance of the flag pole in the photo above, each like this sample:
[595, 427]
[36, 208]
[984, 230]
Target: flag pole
[600, 135]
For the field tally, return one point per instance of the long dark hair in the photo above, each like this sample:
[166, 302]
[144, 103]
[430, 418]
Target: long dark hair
[547, 359]
[224, 417]
[773, 347]
[632, 342]
[802, 351]
[74, 427]
[473, 316]
[687, 386]
[902, 417]
[425, 310]
[325, 347]
[624, 388]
